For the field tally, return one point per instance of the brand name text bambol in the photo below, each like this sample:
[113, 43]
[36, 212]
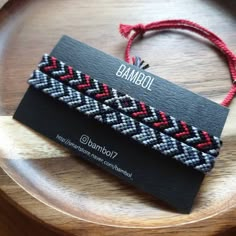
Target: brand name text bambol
[136, 77]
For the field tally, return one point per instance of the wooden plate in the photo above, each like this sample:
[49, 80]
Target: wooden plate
[57, 177]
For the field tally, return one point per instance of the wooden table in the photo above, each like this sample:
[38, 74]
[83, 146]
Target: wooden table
[30, 28]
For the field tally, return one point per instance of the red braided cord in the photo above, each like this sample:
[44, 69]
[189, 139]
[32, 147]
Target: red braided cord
[140, 29]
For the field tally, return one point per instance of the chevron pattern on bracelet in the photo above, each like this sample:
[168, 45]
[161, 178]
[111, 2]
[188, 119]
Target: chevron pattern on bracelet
[148, 115]
[122, 123]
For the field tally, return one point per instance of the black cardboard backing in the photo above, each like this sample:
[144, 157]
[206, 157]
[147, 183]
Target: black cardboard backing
[146, 169]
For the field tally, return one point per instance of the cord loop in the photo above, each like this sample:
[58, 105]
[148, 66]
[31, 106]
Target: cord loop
[140, 29]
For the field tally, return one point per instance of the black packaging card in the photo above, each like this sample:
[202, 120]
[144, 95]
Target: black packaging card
[164, 178]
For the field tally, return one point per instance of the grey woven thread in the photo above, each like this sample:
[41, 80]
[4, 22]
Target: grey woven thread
[128, 105]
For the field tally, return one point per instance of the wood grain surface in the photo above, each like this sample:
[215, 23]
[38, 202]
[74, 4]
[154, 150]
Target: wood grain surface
[2, 2]
[46, 188]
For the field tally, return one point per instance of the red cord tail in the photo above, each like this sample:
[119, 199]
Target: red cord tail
[125, 30]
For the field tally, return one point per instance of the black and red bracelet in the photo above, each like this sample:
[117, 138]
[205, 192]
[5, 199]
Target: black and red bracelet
[122, 123]
[124, 103]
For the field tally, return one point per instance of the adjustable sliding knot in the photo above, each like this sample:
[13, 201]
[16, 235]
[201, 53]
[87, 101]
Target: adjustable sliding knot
[139, 28]
[125, 30]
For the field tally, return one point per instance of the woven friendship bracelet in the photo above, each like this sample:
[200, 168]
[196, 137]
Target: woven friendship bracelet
[122, 123]
[148, 115]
